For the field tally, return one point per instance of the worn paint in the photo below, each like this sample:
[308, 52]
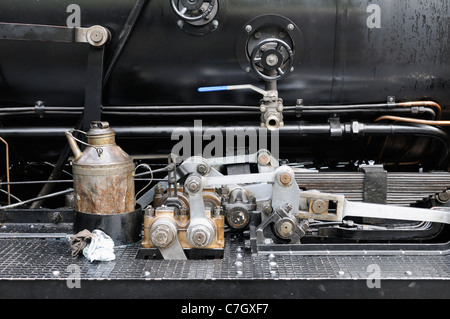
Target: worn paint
[103, 176]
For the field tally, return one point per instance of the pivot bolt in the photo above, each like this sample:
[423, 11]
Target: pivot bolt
[199, 238]
[319, 206]
[96, 36]
[193, 186]
[200, 235]
[202, 169]
[443, 197]
[285, 228]
[263, 159]
[285, 178]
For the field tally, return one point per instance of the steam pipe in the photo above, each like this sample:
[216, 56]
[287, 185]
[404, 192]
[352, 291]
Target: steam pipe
[353, 128]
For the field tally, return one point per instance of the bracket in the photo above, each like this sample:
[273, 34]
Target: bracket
[96, 35]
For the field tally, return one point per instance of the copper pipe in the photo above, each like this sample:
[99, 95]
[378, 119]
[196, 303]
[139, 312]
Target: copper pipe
[7, 170]
[412, 120]
[422, 103]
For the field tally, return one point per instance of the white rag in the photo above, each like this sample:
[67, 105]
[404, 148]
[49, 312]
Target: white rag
[101, 247]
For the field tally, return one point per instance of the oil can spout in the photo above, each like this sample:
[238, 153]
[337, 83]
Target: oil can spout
[73, 144]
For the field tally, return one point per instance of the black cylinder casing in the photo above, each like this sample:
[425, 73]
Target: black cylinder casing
[351, 52]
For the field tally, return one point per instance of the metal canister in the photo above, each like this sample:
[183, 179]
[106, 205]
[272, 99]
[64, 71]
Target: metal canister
[103, 174]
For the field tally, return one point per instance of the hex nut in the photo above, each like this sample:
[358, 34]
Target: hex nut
[162, 235]
[202, 169]
[193, 186]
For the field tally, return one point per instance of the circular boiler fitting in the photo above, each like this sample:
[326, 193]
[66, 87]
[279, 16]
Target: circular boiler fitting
[269, 47]
[190, 10]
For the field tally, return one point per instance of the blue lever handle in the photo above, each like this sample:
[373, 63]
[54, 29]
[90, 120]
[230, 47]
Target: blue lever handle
[213, 88]
[231, 87]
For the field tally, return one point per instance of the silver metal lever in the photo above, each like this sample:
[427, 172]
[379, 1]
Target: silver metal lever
[201, 231]
[346, 208]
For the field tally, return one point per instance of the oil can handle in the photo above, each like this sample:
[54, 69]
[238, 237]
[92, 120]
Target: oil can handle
[151, 179]
[78, 153]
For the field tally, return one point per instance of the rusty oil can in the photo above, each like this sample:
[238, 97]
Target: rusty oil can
[103, 178]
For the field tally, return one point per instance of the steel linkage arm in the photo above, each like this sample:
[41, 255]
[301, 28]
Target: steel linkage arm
[318, 208]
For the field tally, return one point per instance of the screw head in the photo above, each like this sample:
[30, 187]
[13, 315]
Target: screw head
[272, 60]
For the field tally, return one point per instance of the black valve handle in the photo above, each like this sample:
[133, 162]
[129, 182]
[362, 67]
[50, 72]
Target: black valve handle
[272, 59]
[191, 5]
